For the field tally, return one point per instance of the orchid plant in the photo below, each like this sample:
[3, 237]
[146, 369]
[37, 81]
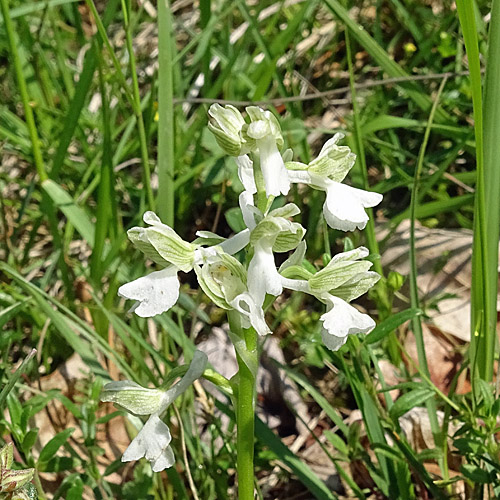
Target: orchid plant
[239, 274]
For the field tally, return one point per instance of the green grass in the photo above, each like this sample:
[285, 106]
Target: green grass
[103, 116]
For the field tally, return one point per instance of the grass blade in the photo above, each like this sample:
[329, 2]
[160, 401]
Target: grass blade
[483, 304]
[392, 68]
[166, 143]
[73, 212]
[491, 183]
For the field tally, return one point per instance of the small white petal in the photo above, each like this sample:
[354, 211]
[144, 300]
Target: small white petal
[344, 207]
[245, 173]
[202, 254]
[263, 277]
[164, 461]
[273, 168]
[195, 371]
[331, 341]
[252, 315]
[247, 209]
[342, 320]
[152, 219]
[237, 242]
[330, 143]
[300, 176]
[297, 285]
[151, 441]
[156, 293]
[258, 129]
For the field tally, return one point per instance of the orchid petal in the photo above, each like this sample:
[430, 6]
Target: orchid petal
[133, 397]
[300, 176]
[151, 442]
[247, 209]
[263, 277]
[344, 206]
[156, 293]
[296, 285]
[252, 315]
[245, 173]
[195, 371]
[273, 168]
[237, 242]
[164, 461]
[342, 320]
[296, 258]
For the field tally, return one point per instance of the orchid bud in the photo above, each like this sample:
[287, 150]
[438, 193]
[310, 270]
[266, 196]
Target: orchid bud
[226, 126]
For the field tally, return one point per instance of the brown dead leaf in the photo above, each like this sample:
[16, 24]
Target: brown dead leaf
[444, 358]
[444, 268]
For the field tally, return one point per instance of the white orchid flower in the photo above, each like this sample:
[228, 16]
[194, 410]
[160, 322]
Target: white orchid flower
[345, 278]
[274, 233]
[224, 279]
[158, 291]
[252, 315]
[263, 277]
[153, 440]
[344, 207]
[263, 133]
[340, 320]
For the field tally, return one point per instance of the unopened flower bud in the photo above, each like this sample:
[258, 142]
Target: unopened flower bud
[226, 125]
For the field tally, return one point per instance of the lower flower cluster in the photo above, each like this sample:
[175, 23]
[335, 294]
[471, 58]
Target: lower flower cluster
[153, 440]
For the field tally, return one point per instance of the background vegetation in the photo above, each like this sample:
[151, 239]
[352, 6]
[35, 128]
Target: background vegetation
[81, 160]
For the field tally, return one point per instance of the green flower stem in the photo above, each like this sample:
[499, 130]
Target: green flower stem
[245, 409]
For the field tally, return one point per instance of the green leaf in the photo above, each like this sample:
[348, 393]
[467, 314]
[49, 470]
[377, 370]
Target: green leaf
[390, 324]
[76, 490]
[318, 397]
[50, 449]
[337, 442]
[475, 473]
[465, 445]
[73, 212]
[29, 441]
[408, 401]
